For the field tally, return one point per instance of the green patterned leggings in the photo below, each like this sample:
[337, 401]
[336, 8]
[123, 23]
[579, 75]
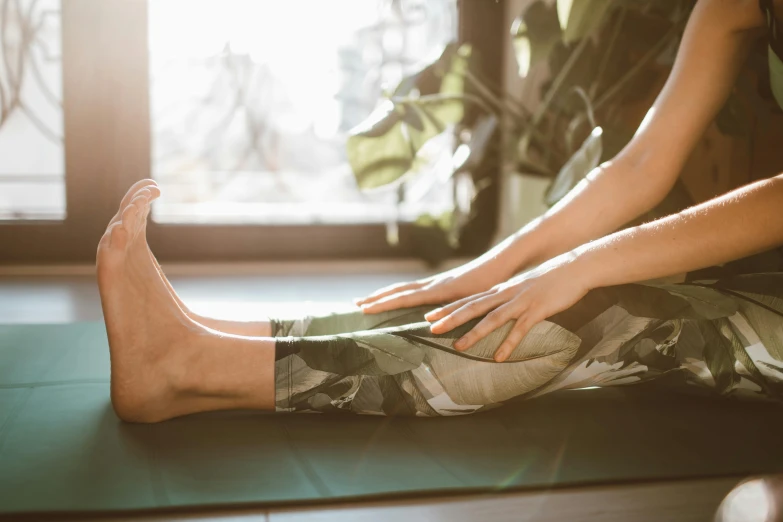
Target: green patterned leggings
[725, 335]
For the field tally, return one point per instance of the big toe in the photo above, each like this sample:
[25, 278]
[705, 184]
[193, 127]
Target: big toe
[132, 215]
[136, 189]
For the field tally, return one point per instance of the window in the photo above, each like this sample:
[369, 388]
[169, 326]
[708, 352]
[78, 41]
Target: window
[32, 163]
[251, 102]
[239, 108]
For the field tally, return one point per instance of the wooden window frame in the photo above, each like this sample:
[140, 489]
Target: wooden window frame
[107, 148]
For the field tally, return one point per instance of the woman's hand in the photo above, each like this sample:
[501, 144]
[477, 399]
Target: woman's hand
[471, 278]
[528, 298]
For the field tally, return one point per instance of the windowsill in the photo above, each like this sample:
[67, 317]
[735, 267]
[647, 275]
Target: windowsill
[413, 267]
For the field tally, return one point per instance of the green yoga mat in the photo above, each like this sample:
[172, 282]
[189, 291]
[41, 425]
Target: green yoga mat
[63, 449]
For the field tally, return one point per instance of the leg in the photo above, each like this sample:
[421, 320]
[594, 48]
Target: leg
[726, 336]
[164, 364]
[245, 328]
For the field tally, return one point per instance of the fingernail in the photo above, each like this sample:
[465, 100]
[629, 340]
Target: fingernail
[460, 344]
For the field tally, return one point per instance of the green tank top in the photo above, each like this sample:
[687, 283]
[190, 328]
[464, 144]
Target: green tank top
[775, 50]
[776, 76]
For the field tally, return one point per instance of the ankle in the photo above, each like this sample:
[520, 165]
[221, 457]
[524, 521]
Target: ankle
[243, 328]
[229, 370]
[186, 369]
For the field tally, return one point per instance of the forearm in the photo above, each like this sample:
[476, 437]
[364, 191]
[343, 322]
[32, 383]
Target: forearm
[611, 196]
[713, 48]
[740, 223]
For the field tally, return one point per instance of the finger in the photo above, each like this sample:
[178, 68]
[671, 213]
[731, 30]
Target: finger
[387, 291]
[406, 299]
[494, 320]
[442, 312]
[471, 310]
[514, 337]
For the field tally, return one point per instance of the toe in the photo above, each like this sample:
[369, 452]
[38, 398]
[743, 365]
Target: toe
[136, 188]
[150, 189]
[154, 191]
[106, 237]
[129, 220]
[118, 237]
[143, 200]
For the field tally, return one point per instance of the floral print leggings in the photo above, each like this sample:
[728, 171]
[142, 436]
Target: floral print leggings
[725, 335]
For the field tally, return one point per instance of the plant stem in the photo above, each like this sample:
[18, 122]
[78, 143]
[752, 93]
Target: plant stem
[486, 88]
[559, 80]
[431, 99]
[609, 51]
[490, 97]
[633, 71]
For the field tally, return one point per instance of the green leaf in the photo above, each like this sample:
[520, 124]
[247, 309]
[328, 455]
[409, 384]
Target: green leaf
[383, 148]
[428, 80]
[734, 334]
[469, 155]
[579, 18]
[719, 356]
[365, 354]
[392, 354]
[543, 353]
[762, 310]
[585, 159]
[706, 302]
[534, 35]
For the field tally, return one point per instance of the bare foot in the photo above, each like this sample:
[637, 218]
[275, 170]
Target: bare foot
[146, 187]
[164, 364]
[149, 335]
[139, 188]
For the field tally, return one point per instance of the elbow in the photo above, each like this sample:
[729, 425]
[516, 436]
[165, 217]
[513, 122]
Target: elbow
[647, 179]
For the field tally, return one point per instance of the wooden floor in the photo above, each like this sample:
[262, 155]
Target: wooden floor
[247, 292]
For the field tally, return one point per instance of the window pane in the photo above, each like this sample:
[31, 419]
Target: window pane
[32, 165]
[252, 100]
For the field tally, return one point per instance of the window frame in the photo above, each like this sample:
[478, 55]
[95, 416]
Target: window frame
[107, 148]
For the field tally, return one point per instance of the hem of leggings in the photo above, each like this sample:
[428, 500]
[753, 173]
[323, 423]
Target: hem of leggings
[284, 348]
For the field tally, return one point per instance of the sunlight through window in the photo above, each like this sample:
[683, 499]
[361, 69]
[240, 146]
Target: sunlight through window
[252, 101]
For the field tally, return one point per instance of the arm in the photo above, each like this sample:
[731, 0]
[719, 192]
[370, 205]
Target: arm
[715, 43]
[738, 224]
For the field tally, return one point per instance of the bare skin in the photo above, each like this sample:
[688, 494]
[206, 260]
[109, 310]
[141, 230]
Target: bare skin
[246, 328]
[715, 45]
[574, 247]
[575, 237]
[163, 363]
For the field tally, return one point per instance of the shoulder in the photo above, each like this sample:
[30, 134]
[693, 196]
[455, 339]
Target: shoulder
[737, 15]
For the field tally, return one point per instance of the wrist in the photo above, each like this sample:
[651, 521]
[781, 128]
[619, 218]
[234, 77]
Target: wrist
[494, 267]
[503, 260]
[523, 250]
[588, 265]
